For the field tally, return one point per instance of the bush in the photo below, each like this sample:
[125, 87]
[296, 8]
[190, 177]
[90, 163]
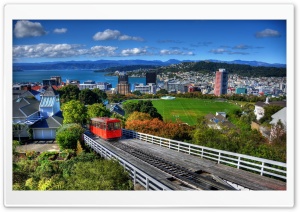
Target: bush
[68, 135]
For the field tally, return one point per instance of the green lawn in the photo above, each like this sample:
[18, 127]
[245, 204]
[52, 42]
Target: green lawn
[187, 110]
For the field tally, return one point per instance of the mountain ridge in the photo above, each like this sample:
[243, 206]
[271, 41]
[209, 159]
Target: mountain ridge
[103, 64]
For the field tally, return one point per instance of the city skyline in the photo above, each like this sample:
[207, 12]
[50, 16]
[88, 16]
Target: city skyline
[227, 40]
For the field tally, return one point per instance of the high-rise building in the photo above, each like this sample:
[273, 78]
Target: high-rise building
[123, 86]
[221, 82]
[150, 78]
[123, 78]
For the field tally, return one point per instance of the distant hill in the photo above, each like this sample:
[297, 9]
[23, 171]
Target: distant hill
[209, 67]
[104, 64]
[97, 65]
[251, 63]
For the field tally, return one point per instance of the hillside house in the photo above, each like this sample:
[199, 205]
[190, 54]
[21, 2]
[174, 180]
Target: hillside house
[43, 117]
[259, 110]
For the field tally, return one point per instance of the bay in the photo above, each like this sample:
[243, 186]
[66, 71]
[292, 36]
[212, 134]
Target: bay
[37, 76]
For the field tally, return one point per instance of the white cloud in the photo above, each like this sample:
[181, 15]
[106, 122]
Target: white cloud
[44, 50]
[134, 51]
[174, 52]
[28, 29]
[127, 37]
[109, 34]
[223, 50]
[267, 33]
[218, 51]
[103, 51]
[242, 46]
[60, 31]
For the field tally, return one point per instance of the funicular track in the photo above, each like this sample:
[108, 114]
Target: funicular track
[199, 181]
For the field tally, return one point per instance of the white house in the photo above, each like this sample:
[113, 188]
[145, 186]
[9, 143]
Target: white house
[259, 110]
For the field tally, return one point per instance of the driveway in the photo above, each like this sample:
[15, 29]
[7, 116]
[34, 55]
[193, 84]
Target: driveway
[39, 146]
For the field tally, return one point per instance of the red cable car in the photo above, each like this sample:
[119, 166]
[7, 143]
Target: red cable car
[106, 128]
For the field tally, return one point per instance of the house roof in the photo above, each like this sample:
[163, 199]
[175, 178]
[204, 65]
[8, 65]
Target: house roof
[47, 101]
[54, 121]
[116, 109]
[218, 120]
[281, 114]
[36, 88]
[24, 93]
[50, 92]
[277, 103]
[23, 107]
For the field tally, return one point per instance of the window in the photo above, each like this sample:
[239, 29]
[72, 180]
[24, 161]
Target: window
[117, 125]
[110, 126]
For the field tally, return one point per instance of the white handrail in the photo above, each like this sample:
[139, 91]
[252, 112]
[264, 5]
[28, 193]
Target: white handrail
[136, 174]
[262, 166]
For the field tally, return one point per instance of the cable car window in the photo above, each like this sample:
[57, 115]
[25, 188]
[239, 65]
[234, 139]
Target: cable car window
[110, 126]
[117, 125]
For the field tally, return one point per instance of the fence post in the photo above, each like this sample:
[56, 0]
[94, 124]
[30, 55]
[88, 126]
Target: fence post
[147, 183]
[134, 177]
[189, 149]
[239, 160]
[219, 157]
[262, 169]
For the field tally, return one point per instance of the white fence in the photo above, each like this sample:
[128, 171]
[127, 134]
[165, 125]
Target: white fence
[249, 163]
[136, 174]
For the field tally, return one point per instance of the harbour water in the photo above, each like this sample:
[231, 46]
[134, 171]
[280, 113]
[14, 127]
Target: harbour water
[81, 75]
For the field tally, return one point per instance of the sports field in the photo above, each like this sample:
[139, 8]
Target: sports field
[187, 110]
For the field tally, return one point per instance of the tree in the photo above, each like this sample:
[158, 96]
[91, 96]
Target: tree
[269, 111]
[141, 106]
[139, 116]
[97, 110]
[99, 175]
[68, 93]
[140, 122]
[101, 95]
[68, 135]
[162, 91]
[137, 93]
[278, 133]
[87, 97]
[74, 112]
[130, 107]
[18, 129]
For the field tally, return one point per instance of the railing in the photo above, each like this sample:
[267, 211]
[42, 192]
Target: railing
[261, 166]
[136, 174]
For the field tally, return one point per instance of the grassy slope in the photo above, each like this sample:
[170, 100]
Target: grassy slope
[187, 110]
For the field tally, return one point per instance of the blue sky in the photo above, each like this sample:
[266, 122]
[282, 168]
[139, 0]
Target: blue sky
[227, 40]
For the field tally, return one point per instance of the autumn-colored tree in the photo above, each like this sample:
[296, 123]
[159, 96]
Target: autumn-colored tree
[177, 131]
[139, 116]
